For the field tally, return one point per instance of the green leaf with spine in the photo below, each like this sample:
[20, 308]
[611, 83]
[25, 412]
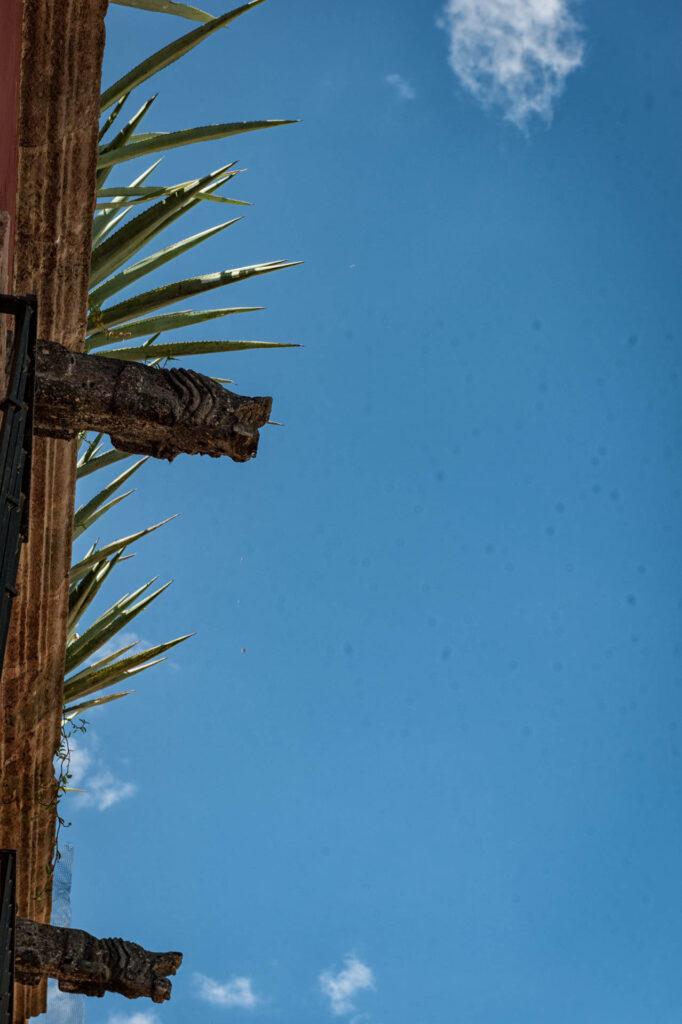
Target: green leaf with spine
[106, 220]
[159, 142]
[83, 592]
[178, 291]
[109, 458]
[118, 248]
[197, 196]
[118, 106]
[174, 349]
[118, 142]
[151, 263]
[130, 196]
[101, 502]
[115, 619]
[169, 54]
[166, 7]
[76, 710]
[99, 676]
[159, 324]
[96, 555]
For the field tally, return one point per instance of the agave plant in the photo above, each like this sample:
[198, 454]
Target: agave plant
[167, 7]
[116, 264]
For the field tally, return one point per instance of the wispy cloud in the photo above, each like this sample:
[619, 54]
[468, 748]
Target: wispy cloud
[514, 54]
[104, 790]
[340, 989]
[101, 788]
[237, 992]
[141, 1017]
[80, 762]
[402, 87]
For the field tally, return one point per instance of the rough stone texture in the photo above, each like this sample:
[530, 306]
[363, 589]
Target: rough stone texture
[82, 963]
[145, 410]
[62, 46]
[5, 249]
[10, 35]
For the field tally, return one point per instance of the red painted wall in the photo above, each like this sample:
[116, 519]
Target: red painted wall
[10, 65]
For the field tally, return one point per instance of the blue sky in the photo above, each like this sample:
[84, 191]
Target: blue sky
[421, 765]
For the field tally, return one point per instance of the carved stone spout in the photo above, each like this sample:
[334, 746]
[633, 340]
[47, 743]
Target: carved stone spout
[145, 410]
[82, 963]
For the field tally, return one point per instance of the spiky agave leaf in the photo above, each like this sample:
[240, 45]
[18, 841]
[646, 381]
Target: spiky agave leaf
[157, 298]
[106, 220]
[113, 656]
[130, 196]
[127, 130]
[119, 141]
[159, 324]
[106, 618]
[151, 263]
[118, 106]
[118, 248]
[174, 349]
[193, 196]
[160, 141]
[84, 591]
[142, 136]
[103, 510]
[120, 674]
[100, 503]
[93, 445]
[108, 458]
[114, 620]
[124, 203]
[98, 554]
[167, 7]
[94, 678]
[169, 54]
[76, 710]
[154, 193]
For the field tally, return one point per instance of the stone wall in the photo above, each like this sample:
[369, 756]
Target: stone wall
[61, 56]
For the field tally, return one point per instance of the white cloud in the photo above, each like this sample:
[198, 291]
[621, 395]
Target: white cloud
[79, 763]
[101, 788]
[141, 1017]
[340, 989]
[403, 88]
[104, 790]
[234, 993]
[513, 54]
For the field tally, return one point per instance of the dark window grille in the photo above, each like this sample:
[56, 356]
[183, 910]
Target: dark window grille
[8, 890]
[16, 441]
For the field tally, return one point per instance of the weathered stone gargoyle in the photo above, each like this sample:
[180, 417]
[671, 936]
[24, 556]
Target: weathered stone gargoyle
[145, 410]
[82, 963]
